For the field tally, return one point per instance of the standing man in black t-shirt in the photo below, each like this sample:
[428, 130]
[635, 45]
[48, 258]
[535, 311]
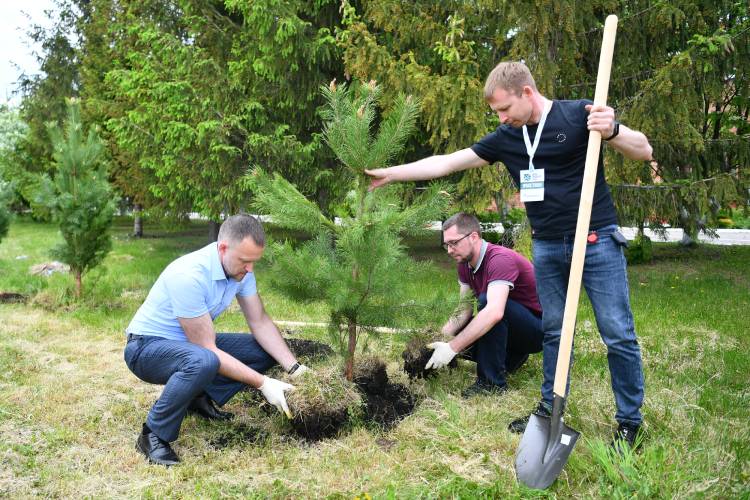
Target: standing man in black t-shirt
[543, 145]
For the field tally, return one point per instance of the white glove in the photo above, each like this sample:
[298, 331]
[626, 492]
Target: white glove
[273, 391]
[299, 371]
[442, 356]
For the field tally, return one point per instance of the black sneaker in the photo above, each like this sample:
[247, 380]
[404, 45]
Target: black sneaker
[626, 435]
[519, 425]
[483, 388]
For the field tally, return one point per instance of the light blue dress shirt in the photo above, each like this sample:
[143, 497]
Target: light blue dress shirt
[192, 285]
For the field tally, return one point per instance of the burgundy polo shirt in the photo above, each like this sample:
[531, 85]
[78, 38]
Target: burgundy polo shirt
[498, 264]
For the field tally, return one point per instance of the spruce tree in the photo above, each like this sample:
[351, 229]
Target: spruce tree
[680, 75]
[79, 198]
[357, 262]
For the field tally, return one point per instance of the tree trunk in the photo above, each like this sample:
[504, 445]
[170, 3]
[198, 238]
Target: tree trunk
[213, 231]
[137, 220]
[689, 240]
[349, 369]
[79, 288]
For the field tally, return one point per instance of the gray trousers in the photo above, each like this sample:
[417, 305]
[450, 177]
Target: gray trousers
[186, 370]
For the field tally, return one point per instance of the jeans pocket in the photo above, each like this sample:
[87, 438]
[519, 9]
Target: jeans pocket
[620, 239]
[132, 352]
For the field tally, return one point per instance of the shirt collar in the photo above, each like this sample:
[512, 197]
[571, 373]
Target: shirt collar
[481, 258]
[217, 270]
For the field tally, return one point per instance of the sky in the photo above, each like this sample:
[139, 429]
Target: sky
[14, 44]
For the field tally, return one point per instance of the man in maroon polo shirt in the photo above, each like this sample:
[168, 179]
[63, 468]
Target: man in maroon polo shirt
[508, 325]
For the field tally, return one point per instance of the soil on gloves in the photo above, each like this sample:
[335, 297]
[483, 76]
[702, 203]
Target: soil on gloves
[416, 357]
[386, 403]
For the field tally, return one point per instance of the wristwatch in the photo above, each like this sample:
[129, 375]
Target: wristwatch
[293, 368]
[615, 131]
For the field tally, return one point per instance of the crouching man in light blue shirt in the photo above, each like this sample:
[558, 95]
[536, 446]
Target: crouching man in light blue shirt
[171, 339]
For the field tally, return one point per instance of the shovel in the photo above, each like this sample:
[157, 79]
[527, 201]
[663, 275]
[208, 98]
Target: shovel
[547, 442]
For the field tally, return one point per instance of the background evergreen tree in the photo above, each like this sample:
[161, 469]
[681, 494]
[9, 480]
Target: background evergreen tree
[5, 213]
[187, 92]
[79, 198]
[193, 91]
[356, 263]
[681, 74]
[45, 95]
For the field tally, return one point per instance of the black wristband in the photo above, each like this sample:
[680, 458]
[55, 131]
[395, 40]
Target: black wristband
[293, 368]
[615, 131]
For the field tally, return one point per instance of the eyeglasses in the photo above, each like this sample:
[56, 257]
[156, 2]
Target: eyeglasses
[453, 244]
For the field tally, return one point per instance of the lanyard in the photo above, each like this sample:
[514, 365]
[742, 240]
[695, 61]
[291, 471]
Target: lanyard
[531, 150]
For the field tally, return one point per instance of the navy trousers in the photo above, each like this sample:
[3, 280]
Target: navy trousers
[186, 370]
[515, 336]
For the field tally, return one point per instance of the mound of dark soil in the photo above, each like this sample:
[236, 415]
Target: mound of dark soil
[387, 407]
[373, 379]
[12, 298]
[415, 359]
[308, 350]
[385, 403]
[319, 424]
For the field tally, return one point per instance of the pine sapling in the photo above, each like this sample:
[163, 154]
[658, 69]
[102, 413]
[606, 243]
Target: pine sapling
[357, 262]
[79, 198]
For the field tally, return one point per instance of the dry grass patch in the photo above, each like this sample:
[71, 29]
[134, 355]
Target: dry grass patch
[70, 410]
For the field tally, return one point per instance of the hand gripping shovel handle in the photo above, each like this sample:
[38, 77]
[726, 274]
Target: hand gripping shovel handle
[547, 442]
[584, 212]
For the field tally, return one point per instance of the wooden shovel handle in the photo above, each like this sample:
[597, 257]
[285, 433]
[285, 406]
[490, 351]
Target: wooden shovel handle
[584, 212]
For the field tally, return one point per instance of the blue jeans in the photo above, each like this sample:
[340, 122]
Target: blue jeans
[606, 283]
[508, 342]
[187, 370]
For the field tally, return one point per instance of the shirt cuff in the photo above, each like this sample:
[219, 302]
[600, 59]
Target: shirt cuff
[500, 282]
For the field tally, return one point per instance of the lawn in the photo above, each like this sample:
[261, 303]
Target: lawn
[70, 409]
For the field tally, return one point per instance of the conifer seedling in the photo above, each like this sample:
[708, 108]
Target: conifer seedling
[79, 197]
[356, 262]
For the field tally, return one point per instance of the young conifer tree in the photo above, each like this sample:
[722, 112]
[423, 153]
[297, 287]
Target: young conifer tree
[79, 198]
[357, 263]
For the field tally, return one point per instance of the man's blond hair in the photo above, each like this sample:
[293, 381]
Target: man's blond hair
[510, 76]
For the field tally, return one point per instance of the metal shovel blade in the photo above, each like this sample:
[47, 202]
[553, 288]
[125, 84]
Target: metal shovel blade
[544, 450]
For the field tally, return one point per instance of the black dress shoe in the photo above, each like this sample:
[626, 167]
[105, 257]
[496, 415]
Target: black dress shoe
[157, 451]
[203, 405]
[483, 388]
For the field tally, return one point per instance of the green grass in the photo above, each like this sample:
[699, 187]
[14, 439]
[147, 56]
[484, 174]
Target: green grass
[70, 410]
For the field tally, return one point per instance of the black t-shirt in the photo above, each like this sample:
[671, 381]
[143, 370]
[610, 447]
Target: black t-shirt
[562, 155]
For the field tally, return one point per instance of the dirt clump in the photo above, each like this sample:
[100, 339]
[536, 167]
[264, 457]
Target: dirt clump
[320, 423]
[386, 403]
[416, 355]
[322, 403]
[308, 351]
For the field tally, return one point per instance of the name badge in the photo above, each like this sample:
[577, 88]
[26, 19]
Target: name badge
[532, 185]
